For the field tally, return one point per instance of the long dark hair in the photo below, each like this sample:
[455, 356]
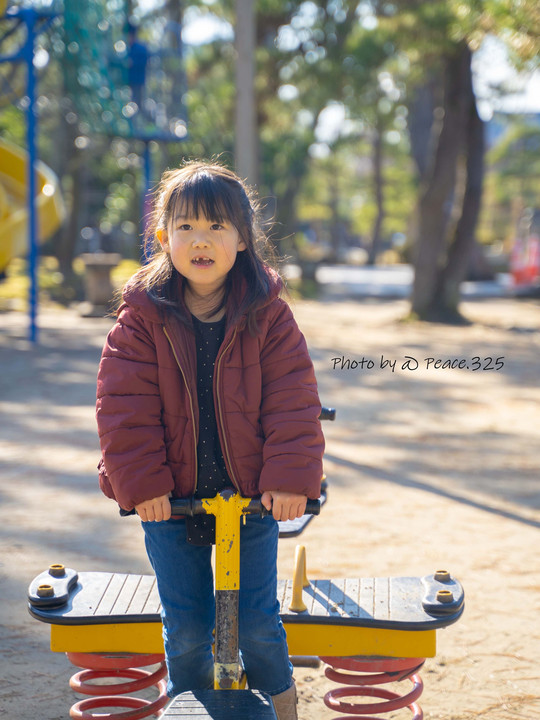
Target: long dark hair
[214, 191]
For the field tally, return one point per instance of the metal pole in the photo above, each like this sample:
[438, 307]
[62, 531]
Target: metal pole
[29, 16]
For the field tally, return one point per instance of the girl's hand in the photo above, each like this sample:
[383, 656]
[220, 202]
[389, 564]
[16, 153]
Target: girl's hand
[155, 510]
[284, 506]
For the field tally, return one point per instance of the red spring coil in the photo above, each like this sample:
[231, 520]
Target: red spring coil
[98, 667]
[363, 673]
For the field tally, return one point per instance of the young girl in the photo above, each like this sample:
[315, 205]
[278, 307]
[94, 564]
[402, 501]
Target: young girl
[205, 382]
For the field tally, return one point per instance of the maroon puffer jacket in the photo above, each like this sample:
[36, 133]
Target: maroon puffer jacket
[265, 396]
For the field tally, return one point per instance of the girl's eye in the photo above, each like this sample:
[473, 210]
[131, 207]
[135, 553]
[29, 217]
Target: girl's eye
[185, 226]
[216, 226]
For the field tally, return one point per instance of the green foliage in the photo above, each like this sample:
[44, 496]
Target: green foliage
[513, 179]
[365, 57]
[15, 287]
[12, 125]
[122, 272]
[518, 152]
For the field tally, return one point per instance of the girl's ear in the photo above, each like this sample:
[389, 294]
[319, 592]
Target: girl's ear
[161, 235]
[241, 245]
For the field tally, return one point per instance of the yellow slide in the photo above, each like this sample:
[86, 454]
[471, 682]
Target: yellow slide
[13, 203]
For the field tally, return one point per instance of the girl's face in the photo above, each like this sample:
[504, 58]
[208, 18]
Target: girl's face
[202, 250]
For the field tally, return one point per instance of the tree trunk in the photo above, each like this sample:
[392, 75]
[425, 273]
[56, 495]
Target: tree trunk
[285, 213]
[378, 186]
[335, 236]
[246, 129]
[439, 189]
[460, 251]
[70, 166]
[174, 12]
[421, 118]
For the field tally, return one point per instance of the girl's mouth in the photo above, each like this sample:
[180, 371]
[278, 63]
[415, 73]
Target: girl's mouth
[202, 261]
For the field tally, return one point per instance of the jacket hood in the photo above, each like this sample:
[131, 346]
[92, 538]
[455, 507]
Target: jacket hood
[137, 297]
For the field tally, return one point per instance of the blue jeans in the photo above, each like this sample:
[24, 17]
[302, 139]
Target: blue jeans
[186, 590]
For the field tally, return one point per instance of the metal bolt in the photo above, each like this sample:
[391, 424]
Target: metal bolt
[445, 596]
[45, 591]
[442, 576]
[57, 570]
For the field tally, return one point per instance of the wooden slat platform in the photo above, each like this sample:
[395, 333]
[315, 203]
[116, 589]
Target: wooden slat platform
[406, 603]
[115, 612]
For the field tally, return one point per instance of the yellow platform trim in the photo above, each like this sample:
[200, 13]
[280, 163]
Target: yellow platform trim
[122, 637]
[346, 640]
[303, 639]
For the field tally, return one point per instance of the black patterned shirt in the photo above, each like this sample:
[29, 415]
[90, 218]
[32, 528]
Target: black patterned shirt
[212, 474]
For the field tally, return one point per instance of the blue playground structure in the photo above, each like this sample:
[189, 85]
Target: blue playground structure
[34, 21]
[123, 78]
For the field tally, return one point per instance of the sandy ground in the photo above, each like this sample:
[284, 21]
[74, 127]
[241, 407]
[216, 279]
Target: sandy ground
[428, 468]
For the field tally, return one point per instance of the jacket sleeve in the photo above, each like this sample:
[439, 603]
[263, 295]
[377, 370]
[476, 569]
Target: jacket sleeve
[128, 413]
[294, 442]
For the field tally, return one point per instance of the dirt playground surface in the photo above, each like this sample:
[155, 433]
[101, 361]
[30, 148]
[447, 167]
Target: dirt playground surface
[428, 468]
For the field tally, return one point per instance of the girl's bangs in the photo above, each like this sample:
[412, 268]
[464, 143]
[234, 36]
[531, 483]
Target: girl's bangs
[203, 195]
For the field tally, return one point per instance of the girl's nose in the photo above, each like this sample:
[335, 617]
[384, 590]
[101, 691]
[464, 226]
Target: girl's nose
[200, 240]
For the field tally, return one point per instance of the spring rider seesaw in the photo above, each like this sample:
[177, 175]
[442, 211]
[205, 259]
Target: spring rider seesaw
[368, 631]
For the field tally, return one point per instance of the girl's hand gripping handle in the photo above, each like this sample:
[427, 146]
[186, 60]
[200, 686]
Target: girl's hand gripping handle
[287, 506]
[155, 510]
[283, 505]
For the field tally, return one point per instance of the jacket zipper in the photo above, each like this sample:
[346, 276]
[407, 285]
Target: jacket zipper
[220, 415]
[190, 404]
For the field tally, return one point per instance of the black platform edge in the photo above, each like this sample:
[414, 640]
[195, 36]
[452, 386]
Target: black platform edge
[51, 617]
[221, 705]
[431, 624]
[294, 528]
[54, 618]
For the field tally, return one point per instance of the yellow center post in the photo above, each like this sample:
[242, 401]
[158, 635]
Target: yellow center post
[228, 507]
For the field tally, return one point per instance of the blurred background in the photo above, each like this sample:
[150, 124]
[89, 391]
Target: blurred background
[400, 134]
[395, 145]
